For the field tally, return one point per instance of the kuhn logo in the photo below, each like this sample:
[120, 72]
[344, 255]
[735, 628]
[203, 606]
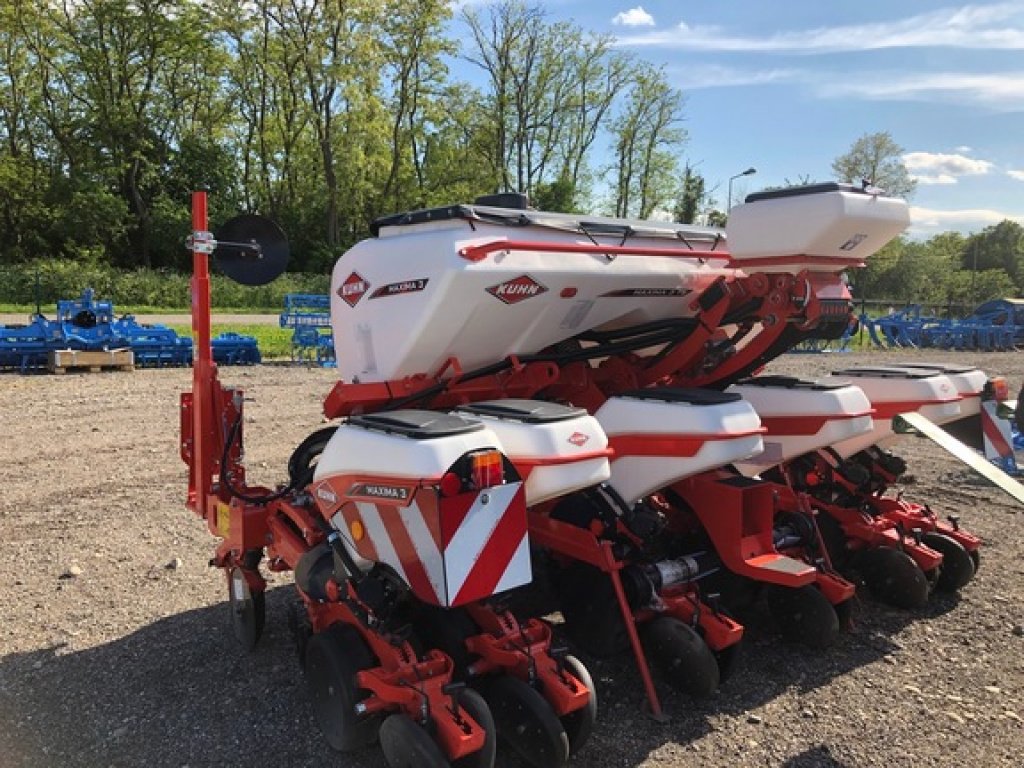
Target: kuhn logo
[352, 290]
[516, 290]
[326, 494]
[578, 439]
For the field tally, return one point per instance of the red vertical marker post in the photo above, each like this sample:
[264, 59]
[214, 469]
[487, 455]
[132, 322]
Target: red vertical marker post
[203, 368]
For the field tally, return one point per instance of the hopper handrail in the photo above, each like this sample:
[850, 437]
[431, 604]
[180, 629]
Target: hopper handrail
[479, 252]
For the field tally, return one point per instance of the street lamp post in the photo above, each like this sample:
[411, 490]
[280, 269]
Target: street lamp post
[749, 172]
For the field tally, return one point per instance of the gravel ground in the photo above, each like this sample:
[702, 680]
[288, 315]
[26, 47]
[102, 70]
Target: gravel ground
[115, 648]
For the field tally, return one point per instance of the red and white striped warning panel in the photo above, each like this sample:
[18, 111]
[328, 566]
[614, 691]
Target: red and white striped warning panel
[996, 433]
[450, 551]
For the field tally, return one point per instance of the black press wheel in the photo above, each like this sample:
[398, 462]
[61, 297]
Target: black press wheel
[728, 661]
[476, 707]
[957, 567]
[681, 656]
[975, 559]
[803, 615]
[333, 657]
[407, 745]
[593, 619]
[579, 725]
[248, 610]
[894, 577]
[527, 723]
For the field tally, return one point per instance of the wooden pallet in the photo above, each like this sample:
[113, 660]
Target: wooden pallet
[93, 361]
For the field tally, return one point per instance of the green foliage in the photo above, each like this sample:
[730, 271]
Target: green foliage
[275, 343]
[938, 272]
[691, 198]
[878, 159]
[66, 279]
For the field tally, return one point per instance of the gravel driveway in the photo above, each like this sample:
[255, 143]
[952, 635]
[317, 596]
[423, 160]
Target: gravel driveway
[115, 648]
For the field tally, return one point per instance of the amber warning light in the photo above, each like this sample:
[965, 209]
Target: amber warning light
[486, 469]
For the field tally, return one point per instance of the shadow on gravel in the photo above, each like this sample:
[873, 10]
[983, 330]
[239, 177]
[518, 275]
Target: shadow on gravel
[179, 692]
[816, 757]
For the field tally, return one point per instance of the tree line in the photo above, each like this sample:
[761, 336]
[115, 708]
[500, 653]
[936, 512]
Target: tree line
[321, 114]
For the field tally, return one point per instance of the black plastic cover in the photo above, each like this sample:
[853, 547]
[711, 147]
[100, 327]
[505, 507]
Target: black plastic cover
[789, 382]
[887, 372]
[691, 396]
[526, 411]
[806, 189]
[416, 424]
[942, 367]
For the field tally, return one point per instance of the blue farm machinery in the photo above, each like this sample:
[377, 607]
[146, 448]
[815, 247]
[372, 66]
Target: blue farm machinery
[88, 325]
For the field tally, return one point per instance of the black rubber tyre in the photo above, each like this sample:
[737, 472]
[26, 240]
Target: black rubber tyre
[526, 722]
[976, 559]
[803, 615]
[407, 745]
[592, 616]
[248, 610]
[476, 707]
[333, 657]
[957, 568]
[301, 628]
[729, 660]
[894, 577]
[844, 613]
[579, 725]
[681, 656]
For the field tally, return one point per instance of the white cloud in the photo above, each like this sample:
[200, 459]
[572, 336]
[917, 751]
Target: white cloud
[634, 17]
[940, 168]
[963, 149]
[714, 76]
[1000, 92]
[1018, 175]
[1000, 25]
[925, 222]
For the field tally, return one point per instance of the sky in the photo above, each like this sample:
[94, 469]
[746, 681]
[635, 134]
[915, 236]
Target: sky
[788, 86]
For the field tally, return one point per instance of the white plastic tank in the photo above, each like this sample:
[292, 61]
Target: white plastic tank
[663, 435]
[772, 230]
[418, 295]
[557, 449]
[378, 480]
[801, 415]
[893, 390]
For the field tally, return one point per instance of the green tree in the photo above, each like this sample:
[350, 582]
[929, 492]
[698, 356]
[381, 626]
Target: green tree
[691, 197]
[877, 159]
[648, 135]
[997, 247]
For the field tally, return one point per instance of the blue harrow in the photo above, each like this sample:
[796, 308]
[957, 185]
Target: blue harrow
[89, 324]
[309, 317]
[987, 329]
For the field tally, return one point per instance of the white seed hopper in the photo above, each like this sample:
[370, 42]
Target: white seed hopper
[800, 416]
[476, 284]
[893, 390]
[663, 435]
